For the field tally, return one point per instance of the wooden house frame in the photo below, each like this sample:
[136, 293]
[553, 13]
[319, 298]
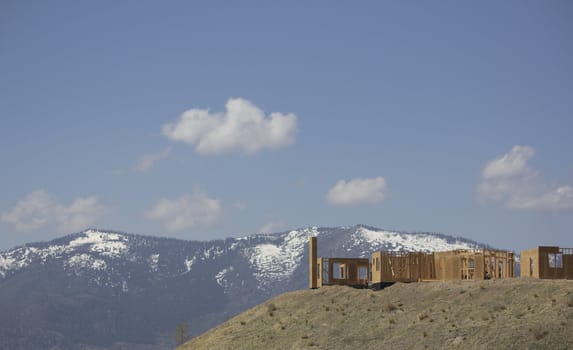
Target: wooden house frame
[337, 271]
[466, 264]
[388, 267]
[474, 264]
[547, 263]
[401, 267]
[343, 271]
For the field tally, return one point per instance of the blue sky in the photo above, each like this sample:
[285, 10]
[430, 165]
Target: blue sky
[203, 120]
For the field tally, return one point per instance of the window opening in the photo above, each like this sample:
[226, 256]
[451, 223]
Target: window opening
[530, 266]
[338, 271]
[471, 268]
[362, 272]
[555, 260]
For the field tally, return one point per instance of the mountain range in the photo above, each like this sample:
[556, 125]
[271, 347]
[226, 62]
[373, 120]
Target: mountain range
[100, 289]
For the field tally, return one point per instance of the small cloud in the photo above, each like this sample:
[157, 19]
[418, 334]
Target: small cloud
[272, 227]
[147, 161]
[240, 205]
[509, 180]
[243, 127]
[357, 191]
[560, 198]
[81, 214]
[188, 211]
[38, 209]
[510, 164]
[31, 212]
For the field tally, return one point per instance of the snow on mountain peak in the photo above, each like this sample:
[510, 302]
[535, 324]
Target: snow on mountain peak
[6, 263]
[272, 262]
[189, 263]
[102, 244]
[154, 262]
[272, 258]
[405, 242]
[85, 261]
[222, 280]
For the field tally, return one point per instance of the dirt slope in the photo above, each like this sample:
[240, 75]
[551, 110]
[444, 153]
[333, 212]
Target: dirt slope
[504, 314]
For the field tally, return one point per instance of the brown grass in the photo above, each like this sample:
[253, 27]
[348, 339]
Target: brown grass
[490, 314]
[389, 307]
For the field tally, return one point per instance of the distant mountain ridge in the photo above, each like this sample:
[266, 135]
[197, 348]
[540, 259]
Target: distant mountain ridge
[106, 289]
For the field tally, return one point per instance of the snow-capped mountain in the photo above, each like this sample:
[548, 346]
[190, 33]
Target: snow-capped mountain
[101, 289]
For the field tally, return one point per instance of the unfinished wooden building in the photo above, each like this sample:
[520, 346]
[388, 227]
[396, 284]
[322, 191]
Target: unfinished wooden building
[467, 264]
[389, 267]
[547, 263]
[401, 267]
[474, 264]
[336, 271]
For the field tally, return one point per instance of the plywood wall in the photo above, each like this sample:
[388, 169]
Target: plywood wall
[547, 263]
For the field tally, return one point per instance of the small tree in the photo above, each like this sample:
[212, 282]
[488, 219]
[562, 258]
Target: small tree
[181, 334]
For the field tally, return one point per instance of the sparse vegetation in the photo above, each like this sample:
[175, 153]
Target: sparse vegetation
[389, 307]
[539, 334]
[347, 318]
[271, 308]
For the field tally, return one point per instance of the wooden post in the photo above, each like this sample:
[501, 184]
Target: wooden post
[312, 247]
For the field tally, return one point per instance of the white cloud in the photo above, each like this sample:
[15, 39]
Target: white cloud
[560, 198]
[510, 164]
[509, 180]
[357, 191]
[82, 213]
[38, 209]
[188, 211]
[272, 227]
[243, 127]
[240, 205]
[147, 161]
[31, 212]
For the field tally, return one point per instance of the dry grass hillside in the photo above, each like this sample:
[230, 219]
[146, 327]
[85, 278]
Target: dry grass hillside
[503, 314]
